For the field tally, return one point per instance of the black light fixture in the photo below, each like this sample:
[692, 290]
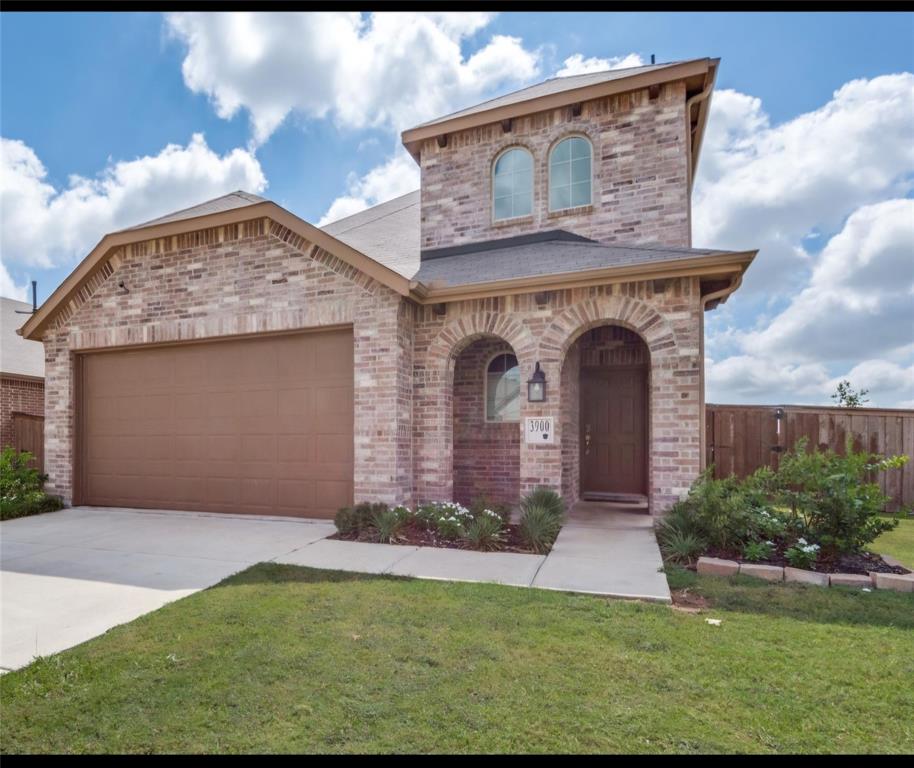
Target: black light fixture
[536, 386]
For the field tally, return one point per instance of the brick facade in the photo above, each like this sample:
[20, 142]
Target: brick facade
[640, 174]
[665, 316]
[18, 395]
[419, 422]
[255, 277]
[486, 454]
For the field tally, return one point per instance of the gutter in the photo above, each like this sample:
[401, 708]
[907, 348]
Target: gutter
[702, 121]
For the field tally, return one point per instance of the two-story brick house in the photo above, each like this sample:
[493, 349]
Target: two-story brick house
[234, 358]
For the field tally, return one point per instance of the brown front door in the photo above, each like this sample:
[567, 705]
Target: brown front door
[614, 431]
[261, 425]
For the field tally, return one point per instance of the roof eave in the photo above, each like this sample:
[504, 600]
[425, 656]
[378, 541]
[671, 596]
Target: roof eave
[701, 266]
[412, 138]
[38, 321]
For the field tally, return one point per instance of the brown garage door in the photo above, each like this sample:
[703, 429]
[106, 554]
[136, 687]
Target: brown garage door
[259, 425]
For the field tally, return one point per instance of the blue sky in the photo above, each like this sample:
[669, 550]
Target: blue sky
[804, 101]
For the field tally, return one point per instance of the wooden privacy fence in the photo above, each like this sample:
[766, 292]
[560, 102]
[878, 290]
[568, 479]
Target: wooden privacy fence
[28, 435]
[742, 438]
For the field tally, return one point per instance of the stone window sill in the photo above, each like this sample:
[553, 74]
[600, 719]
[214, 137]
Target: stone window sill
[513, 222]
[576, 211]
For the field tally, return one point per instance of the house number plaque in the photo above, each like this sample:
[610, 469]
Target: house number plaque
[539, 430]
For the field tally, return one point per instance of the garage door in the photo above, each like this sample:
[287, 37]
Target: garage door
[259, 426]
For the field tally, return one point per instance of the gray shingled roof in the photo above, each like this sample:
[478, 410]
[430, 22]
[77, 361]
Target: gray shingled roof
[229, 202]
[17, 355]
[543, 259]
[553, 85]
[388, 233]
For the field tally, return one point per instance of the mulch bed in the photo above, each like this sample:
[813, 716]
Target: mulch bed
[862, 564]
[417, 535]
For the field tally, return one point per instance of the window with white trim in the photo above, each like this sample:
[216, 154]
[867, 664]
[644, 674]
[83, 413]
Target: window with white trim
[512, 185]
[570, 173]
[503, 389]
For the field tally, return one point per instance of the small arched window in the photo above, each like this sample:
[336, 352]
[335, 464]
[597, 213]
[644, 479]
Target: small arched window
[570, 173]
[503, 389]
[512, 185]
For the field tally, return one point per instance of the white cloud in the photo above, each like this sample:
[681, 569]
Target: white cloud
[396, 177]
[45, 227]
[8, 286]
[576, 64]
[388, 70]
[770, 186]
[859, 303]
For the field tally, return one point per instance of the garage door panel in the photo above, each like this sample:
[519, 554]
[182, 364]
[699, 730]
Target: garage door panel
[259, 425]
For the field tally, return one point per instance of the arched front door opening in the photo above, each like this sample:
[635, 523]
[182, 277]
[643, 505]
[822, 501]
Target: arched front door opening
[607, 423]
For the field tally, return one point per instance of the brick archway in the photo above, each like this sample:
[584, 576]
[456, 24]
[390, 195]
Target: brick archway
[433, 396]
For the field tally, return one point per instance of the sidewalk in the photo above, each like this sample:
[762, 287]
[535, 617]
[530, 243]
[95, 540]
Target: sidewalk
[600, 551]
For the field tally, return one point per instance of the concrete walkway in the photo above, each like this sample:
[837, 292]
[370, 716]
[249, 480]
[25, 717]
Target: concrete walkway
[68, 576]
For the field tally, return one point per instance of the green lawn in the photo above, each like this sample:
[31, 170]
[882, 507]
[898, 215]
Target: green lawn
[898, 543]
[286, 659]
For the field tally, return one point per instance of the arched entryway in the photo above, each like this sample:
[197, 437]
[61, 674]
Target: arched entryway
[606, 416]
[486, 415]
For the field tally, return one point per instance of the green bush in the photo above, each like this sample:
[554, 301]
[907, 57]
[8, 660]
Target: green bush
[539, 527]
[22, 487]
[481, 504]
[680, 543]
[758, 550]
[358, 519]
[832, 498]
[802, 554]
[485, 532]
[544, 498]
[387, 523]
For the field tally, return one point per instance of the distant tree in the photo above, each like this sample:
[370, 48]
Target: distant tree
[847, 397]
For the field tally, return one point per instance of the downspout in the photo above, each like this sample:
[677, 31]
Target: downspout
[719, 295]
[690, 102]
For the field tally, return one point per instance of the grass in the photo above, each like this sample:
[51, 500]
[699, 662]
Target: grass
[898, 543]
[287, 659]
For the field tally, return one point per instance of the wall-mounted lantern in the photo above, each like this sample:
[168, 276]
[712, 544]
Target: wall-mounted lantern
[536, 386]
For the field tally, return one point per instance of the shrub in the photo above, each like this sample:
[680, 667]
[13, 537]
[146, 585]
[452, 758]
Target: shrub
[387, 523]
[679, 543]
[485, 531]
[358, 519]
[717, 511]
[544, 498]
[758, 550]
[22, 487]
[832, 497]
[481, 504]
[451, 527]
[539, 527]
[802, 555]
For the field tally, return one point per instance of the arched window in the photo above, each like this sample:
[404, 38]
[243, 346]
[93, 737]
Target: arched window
[512, 185]
[569, 173]
[503, 389]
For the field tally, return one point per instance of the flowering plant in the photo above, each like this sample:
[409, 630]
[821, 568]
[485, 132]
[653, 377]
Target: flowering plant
[802, 554]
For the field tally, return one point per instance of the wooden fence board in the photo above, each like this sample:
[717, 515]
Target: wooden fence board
[742, 438]
[28, 435]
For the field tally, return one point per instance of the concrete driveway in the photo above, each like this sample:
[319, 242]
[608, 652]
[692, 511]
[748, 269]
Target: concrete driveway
[68, 576]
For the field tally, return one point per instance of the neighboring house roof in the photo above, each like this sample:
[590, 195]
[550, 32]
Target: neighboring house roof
[229, 202]
[18, 356]
[698, 74]
[388, 233]
[553, 258]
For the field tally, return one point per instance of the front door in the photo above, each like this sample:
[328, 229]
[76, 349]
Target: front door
[614, 431]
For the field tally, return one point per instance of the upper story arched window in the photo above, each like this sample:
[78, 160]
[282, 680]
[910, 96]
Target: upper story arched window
[570, 173]
[512, 184]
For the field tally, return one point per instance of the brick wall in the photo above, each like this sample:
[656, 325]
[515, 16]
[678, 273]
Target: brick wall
[486, 454]
[666, 316]
[18, 395]
[239, 279]
[640, 173]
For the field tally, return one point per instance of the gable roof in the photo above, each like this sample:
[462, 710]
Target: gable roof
[388, 233]
[229, 202]
[699, 75]
[205, 216]
[18, 356]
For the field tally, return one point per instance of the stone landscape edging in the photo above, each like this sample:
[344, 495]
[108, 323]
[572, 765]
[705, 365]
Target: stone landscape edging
[896, 582]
